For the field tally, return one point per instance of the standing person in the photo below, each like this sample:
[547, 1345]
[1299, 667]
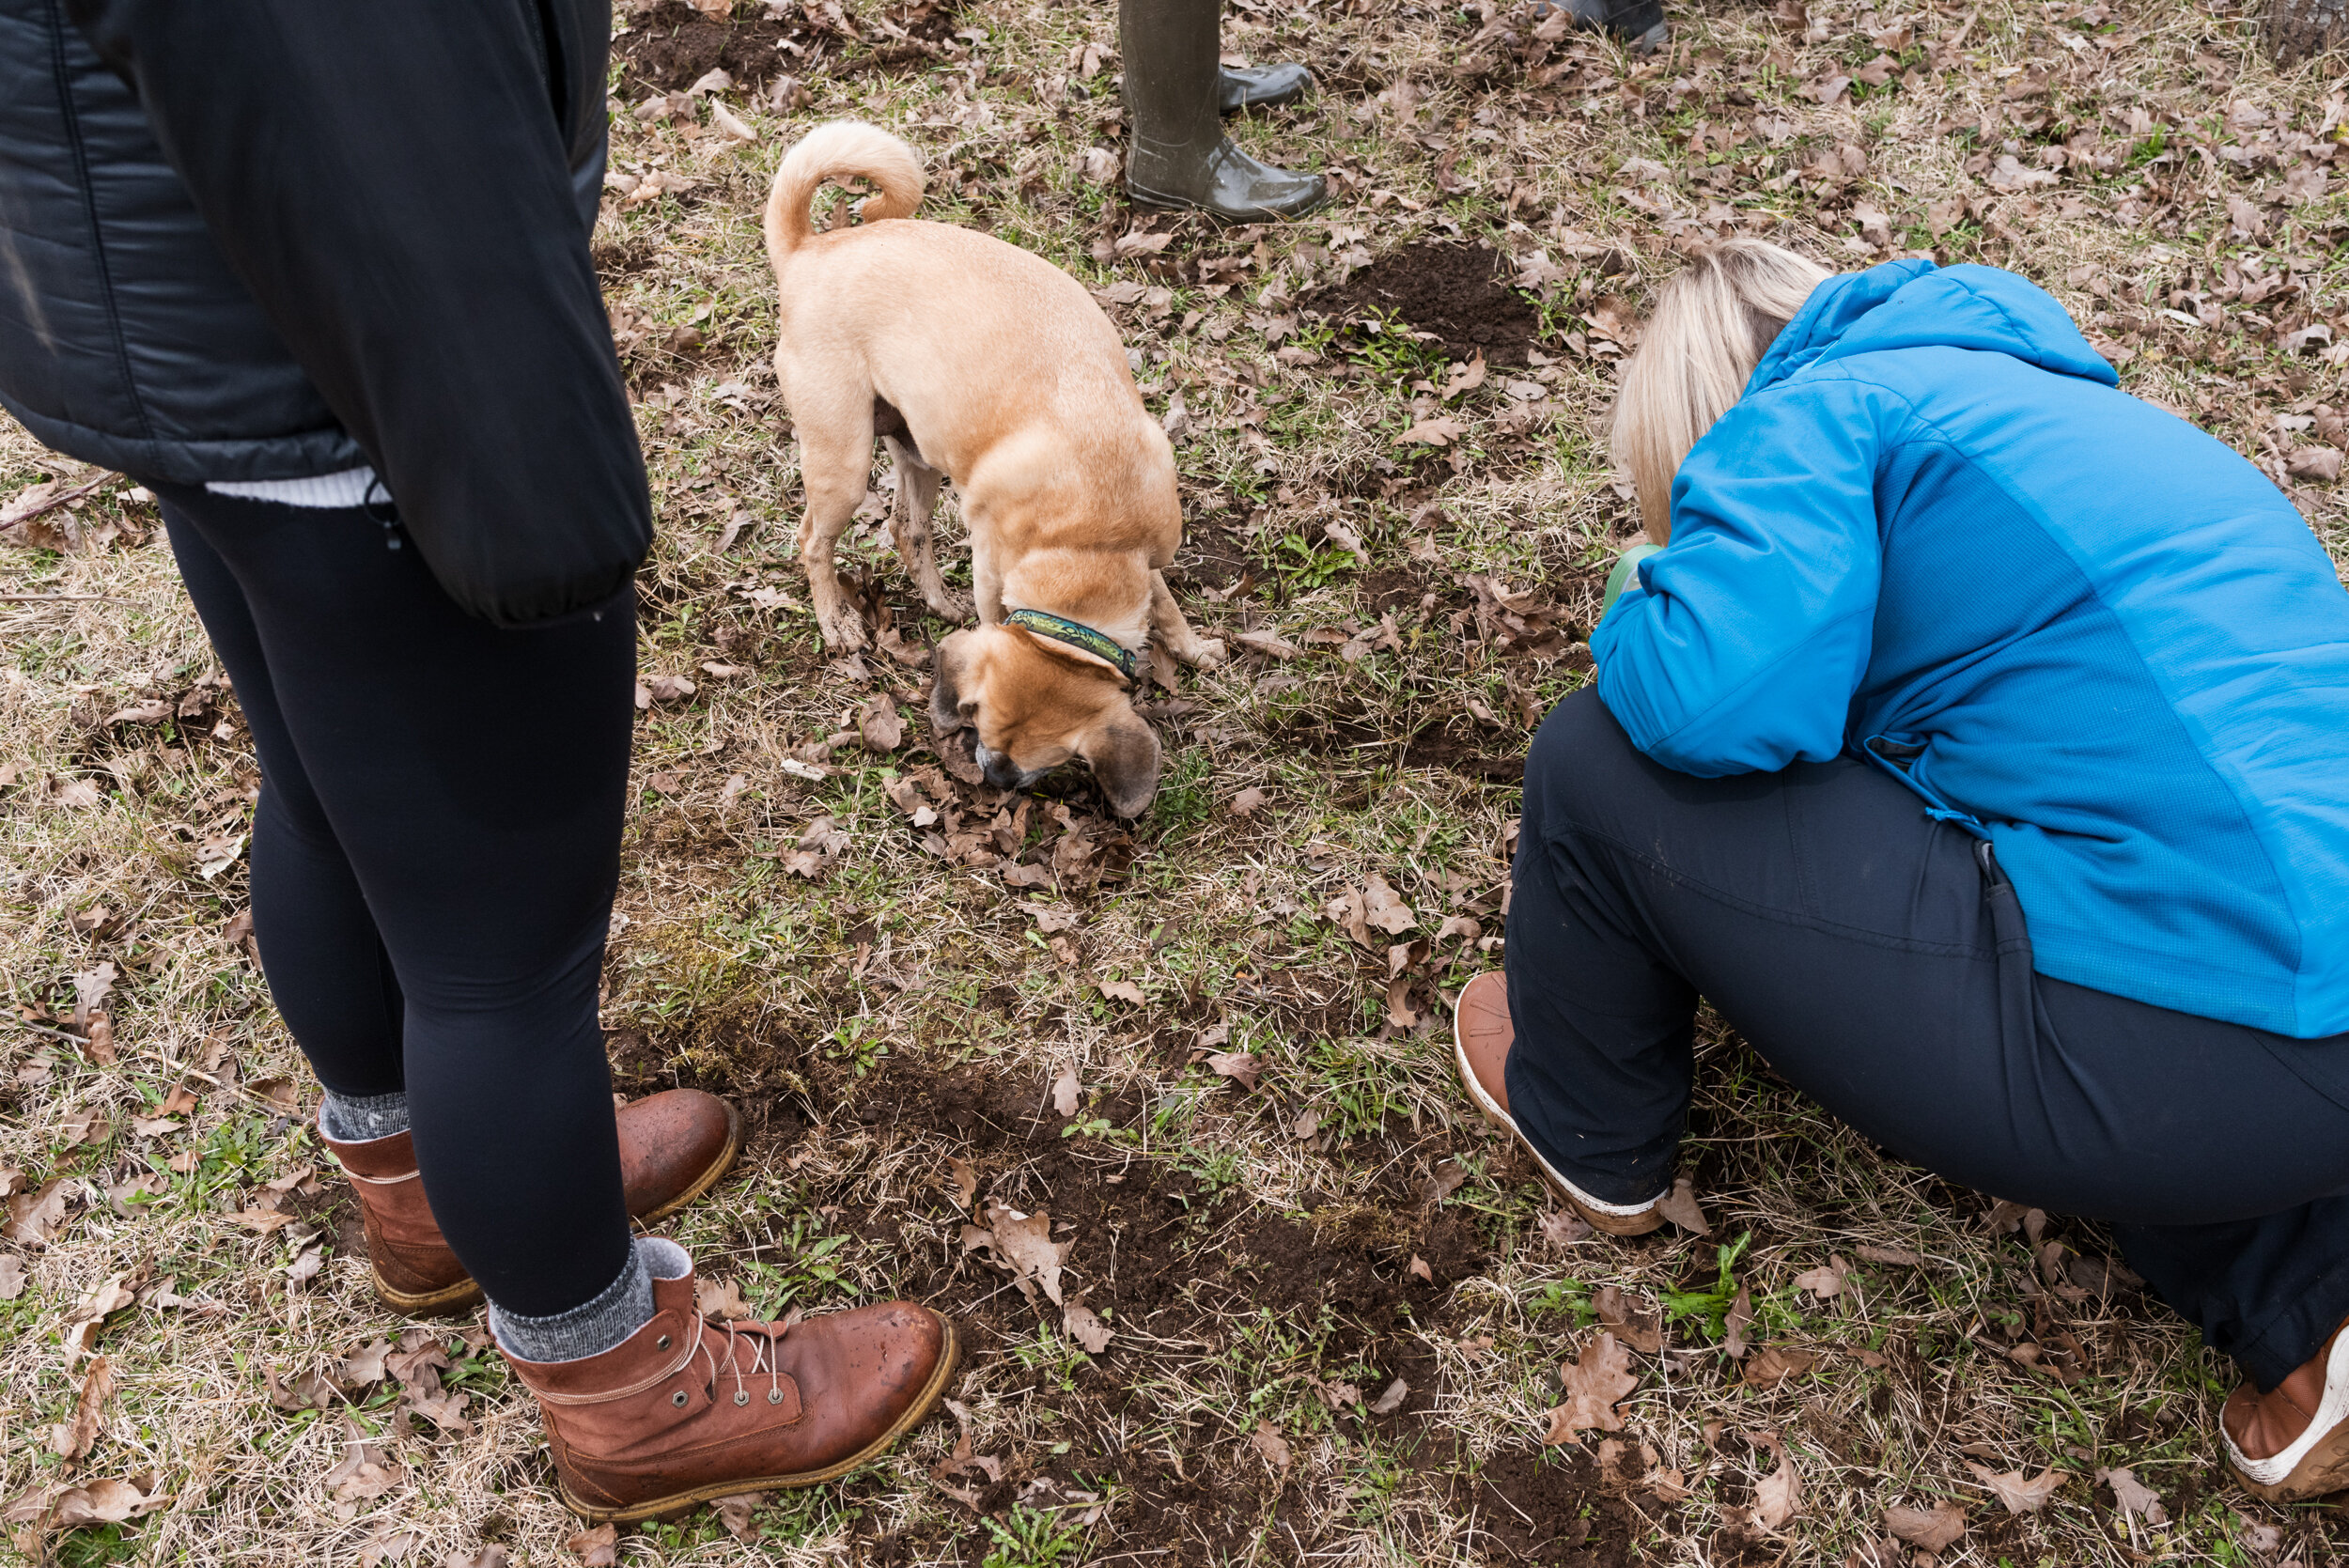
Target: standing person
[1977, 745]
[318, 275]
[1178, 92]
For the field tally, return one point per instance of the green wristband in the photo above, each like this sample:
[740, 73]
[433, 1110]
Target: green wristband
[1626, 566]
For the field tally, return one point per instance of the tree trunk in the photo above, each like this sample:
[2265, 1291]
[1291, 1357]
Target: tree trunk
[2298, 29]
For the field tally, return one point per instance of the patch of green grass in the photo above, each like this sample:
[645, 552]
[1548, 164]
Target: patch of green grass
[1033, 1538]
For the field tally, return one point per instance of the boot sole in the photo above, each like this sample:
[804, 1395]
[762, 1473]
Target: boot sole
[1259, 215]
[2324, 1471]
[1609, 1224]
[465, 1293]
[681, 1503]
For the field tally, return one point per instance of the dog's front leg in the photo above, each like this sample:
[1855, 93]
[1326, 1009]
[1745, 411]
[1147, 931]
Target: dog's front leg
[1174, 634]
[909, 525]
[987, 576]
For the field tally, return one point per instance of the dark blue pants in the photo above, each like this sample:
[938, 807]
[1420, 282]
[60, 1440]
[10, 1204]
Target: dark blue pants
[434, 855]
[1880, 962]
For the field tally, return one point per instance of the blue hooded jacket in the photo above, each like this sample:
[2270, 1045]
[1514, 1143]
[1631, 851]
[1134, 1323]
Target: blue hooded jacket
[1935, 532]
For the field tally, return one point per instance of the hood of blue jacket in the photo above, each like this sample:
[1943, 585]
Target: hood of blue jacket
[1914, 304]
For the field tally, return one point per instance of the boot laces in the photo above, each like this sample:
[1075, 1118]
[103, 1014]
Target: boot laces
[763, 1358]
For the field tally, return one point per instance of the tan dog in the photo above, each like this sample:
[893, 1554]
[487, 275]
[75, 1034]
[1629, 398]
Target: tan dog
[978, 362]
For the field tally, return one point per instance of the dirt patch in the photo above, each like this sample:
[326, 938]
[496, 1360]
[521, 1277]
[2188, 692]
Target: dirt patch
[670, 46]
[1541, 1507]
[1453, 291]
[1471, 757]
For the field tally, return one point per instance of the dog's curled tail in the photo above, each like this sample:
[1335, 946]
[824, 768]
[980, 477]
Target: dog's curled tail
[844, 150]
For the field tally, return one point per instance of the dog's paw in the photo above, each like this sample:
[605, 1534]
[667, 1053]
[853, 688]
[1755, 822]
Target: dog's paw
[844, 631]
[952, 607]
[1208, 653]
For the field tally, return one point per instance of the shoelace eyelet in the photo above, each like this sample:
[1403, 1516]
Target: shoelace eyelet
[677, 1399]
[662, 1343]
[742, 1396]
[774, 1396]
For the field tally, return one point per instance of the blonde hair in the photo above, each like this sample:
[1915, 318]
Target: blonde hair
[1713, 323]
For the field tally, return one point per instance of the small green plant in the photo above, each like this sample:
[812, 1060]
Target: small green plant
[1566, 1296]
[1710, 1308]
[858, 1044]
[1304, 566]
[1031, 1538]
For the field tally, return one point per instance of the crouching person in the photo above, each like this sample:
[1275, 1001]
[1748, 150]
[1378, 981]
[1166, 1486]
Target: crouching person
[1978, 745]
[320, 276]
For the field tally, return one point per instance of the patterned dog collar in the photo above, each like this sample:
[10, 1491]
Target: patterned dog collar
[1076, 635]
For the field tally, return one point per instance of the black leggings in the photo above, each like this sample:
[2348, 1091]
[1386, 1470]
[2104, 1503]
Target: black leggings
[434, 857]
[1880, 962]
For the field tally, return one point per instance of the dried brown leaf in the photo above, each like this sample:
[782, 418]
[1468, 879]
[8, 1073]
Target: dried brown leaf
[2021, 1493]
[1935, 1529]
[1596, 1383]
[1681, 1208]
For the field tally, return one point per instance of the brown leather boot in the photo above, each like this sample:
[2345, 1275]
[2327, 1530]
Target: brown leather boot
[2291, 1443]
[1482, 1035]
[673, 1147]
[685, 1411]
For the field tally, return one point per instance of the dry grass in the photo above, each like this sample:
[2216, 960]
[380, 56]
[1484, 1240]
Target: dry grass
[906, 1010]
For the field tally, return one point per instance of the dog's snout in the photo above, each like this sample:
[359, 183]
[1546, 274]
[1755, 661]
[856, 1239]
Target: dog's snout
[998, 768]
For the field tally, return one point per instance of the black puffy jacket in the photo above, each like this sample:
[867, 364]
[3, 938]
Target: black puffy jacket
[268, 238]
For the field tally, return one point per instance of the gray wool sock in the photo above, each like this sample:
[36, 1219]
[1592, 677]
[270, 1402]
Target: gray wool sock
[596, 1326]
[363, 1117]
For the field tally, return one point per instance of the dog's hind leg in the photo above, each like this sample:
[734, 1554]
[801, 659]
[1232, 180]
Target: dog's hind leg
[909, 525]
[1174, 634]
[834, 463]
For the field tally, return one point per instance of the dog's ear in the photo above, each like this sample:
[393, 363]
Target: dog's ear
[948, 709]
[1125, 757]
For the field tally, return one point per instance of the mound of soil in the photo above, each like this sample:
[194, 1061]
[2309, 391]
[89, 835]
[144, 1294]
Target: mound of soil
[1453, 291]
[671, 46]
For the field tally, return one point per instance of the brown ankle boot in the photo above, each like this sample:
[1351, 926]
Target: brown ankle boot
[2291, 1443]
[686, 1410]
[673, 1147]
[1482, 1033]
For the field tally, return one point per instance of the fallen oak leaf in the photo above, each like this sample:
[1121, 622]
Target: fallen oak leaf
[1242, 1067]
[1392, 1399]
[1681, 1208]
[1933, 1530]
[11, 1277]
[1267, 644]
[78, 1433]
[1023, 1246]
[2134, 1497]
[1274, 1450]
[100, 1502]
[1644, 1332]
[1828, 1280]
[599, 1547]
[1440, 430]
[721, 1300]
[2019, 1492]
[1562, 1228]
[1066, 1091]
[1083, 1325]
[1779, 1497]
[1596, 1383]
[1776, 1363]
[1123, 990]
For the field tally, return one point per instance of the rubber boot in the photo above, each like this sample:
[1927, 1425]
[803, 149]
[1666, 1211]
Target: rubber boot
[1238, 87]
[1638, 24]
[686, 1410]
[673, 1147]
[1179, 156]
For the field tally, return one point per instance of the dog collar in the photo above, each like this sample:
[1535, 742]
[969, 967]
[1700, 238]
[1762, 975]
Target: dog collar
[1077, 635]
